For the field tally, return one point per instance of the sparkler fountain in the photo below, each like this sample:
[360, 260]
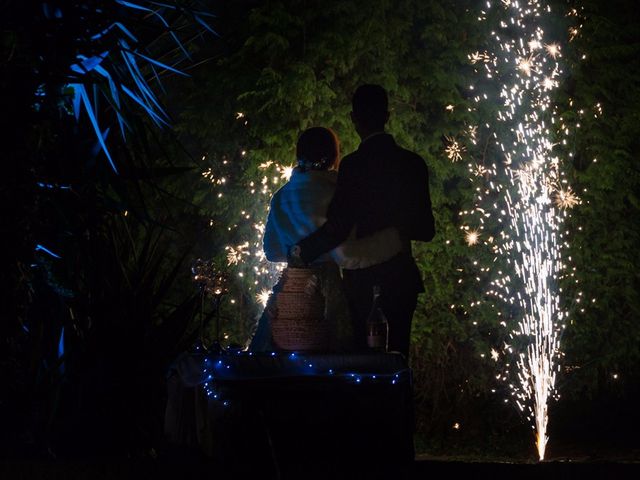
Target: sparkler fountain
[532, 198]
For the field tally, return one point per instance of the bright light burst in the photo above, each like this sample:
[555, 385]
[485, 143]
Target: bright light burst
[528, 198]
[236, 254]
[494, 355]
[472, 237]
[482, 57]
[263, 297]
[478, 170]
[526, 65]
[565, 198]
[553, 50]
[285, 172]
[454, 150]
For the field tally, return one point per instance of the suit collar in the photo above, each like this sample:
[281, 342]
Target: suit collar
[371, 136]
[376, 140]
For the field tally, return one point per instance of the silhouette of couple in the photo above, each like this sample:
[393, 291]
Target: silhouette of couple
[354, 225]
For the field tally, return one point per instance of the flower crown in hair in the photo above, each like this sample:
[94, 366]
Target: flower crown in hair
[304, 164]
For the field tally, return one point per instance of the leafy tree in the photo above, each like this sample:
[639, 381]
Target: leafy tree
[292, 65]
[600, 106]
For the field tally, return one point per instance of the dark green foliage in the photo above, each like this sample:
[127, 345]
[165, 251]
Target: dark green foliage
[295, 64]
[291, 65]
[602, 95]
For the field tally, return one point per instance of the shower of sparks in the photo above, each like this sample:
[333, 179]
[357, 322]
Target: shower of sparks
[528, 197]
[494, 355]
[573, 33]
[454, 150]
[548, 83]
[553, 50]
[479, 170]
[244, 254]
[566, 198]
[472, 133]
[285, 172]
[479, 57]
[235, 254]
[526, 65]
[263, 297]
[472, 237]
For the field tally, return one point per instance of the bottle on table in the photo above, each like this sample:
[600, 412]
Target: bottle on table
[377, 325]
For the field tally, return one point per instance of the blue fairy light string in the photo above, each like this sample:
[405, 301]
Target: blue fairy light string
[216, 370]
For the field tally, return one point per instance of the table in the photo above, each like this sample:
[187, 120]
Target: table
[271, 412]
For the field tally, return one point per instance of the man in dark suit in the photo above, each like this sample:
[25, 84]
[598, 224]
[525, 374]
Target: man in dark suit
[380, 185]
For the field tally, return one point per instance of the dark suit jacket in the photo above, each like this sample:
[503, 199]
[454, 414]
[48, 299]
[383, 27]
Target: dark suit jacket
[379, 185]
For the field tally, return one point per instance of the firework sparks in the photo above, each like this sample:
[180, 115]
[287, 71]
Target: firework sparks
[526, 65]
[477, 57]
[245, 257]
[472, 133]
[472, 237]
[573, 33]
[263, 297]
[495, 355]
[566, 198]
[532, 205]
[534, 45]
[454, 150]
[553, 50]
[479, 170]
[548, 83]
[235, 254]
[285, 172]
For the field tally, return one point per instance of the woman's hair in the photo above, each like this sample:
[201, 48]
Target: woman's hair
[318, 148]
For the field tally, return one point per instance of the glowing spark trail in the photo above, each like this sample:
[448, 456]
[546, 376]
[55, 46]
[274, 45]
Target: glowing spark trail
[472, 237]
[566, 198]
[454, 150]
[263, 297]
[533, 200]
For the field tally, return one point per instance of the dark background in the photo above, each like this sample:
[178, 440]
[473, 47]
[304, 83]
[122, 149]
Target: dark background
[120, 281]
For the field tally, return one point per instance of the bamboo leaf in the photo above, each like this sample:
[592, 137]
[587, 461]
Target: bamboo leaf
[94, 122]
